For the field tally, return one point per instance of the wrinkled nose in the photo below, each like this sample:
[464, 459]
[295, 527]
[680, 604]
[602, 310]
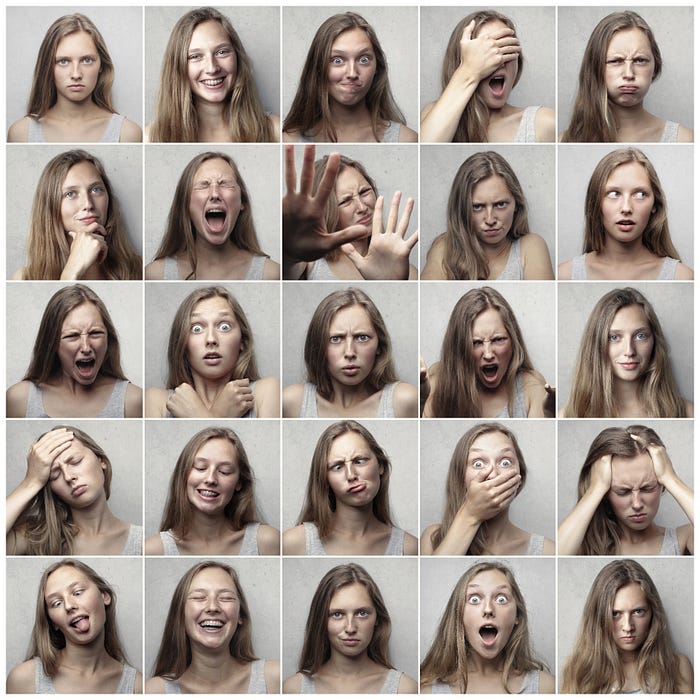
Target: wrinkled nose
[628, 70]
[487, 352]
[350, 473]
[637, 500]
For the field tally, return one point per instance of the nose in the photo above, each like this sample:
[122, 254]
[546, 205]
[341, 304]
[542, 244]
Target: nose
[626, 203]
[637, 500]
[70, 604]
[487, 610]
[212, 65]
[628, 70]
[212, 604]
[84, 343]
[350, 68]
[487, 351]
[76, 71]
[210, 476]
[627, 622]
[350, 348]
[67, 473]
[211, 337]
[350, 623]
[350, 472]
[630, 350]
[489, 215]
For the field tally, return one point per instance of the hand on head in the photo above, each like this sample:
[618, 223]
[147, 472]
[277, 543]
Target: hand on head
[487, 52]
[43, 453]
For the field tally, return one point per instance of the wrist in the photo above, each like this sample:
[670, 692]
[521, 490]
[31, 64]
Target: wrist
[31, 486]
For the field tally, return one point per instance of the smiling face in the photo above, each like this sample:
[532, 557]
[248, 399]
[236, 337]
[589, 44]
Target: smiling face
[84, 198]
[631, 618]
[356, 199]
[212, 64]
[491, 349]
[490, 613]
[496, 88]
[629, 67]
[493, 209]
[351, 620]
[75, 605]
[214, 477]
[77, 476]
[351, 67]
[627, 202]
[630, 344]
[352, 346]
[215, 201]
[83, 344]
[353, 472]
[77, 67]
[492, 452]
[635, 493]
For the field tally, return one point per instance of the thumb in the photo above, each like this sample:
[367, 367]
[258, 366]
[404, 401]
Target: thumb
[352, 252]
[467, 33]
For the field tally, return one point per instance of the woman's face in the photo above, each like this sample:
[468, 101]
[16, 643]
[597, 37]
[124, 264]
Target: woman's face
[627, 203]
[352, 67]
[212, 609]
[492, 453]
[212, 64]
[352, 346]
[629, 67]
[490, 613]
[77, 476]
[493, 208]
[84, 199]
[351, 620]
[631, 618]
[75, 605]
[77, 67]
[214, 340]
[356, 199]
[214, 477]
[83, 344]
[630, 344]
[353, 472]
[492, 349]
[215, 201]
[495, 89]
[635, 493]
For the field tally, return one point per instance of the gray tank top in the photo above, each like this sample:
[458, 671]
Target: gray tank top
[526, 128]
[321, 271]
[536, 545]
[519, 406]
[391, 135]
[111, 133]
[114, 408]
[578, 268]
[255, 271]
[530, 686]
[314, 546]
[43, 684]
[134, 541]
[669, 135]
[255, 687]
[310, 410]
[670, 546]
[513, 269]
[391, 684]
[249, 545]
[250, 414]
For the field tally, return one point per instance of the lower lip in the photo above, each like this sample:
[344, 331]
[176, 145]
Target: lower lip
[627, 640]
[357, 489]
[487, 644]
[88, 220]
[351, 642]
[638, 518]
[207, 498]
[492, 232]
[626, 228]
[212, 361]
[630, 366]
[79, 491]
[628, 90]
[76, 88]
[366, 221]
[350, 371]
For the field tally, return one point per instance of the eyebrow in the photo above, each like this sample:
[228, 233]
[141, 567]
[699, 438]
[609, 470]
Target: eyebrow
[216, 48]
[636, 330]
[363, 49]
[220, 590]
[220, 314]
[479, 450]
[502, 587]
[51, 596]
[91, 184]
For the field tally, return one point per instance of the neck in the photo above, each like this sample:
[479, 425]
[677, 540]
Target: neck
[484, 667]
[208, 528]
[500, 528]
[341, 665]
[87, 659]
[349, 116]
[638, 536]
[69, 110]
[211, 666]
[75, 388]
[625, 253]
[628, 116]
[210, 114]
[349, 395]
[355, 520]
[208, 390]
[500, 112]
[625, 393]
[494, 252]
[214, 255]
[95, 518]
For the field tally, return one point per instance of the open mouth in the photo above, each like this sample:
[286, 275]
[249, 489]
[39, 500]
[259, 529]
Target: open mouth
[211, 625]
[488, 634]
[212, 82]
[489, 372]
[216, 220]
[205, 493]
[85, 367]
[497, 85]
[81, 623]
[212, 358]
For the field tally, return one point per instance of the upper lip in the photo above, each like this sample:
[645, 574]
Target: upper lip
[75, 488]
[626, 221]
[76, 618]
[365, 219]
[211, 619]
[203, 488]
[212, 354]
[351, 366]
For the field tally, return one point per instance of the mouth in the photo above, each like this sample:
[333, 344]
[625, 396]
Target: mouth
[627, 640]
[216, 220]
[628, 365]
[212, 359]
[350, 370]
[81, 623]
[488, 634]
[625, 224]
[211, 626]
[208, 495]
[212, 83]
[76, 86]
[638, 517]
[78, 490]
[86, 368]
[497, 85]
[491, 231]
[350, 641]
[489, 373]
[357, 488]
[366, 220]
[629, 89]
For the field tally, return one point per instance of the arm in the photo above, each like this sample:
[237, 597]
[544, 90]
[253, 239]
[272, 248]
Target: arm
[156, 400]
[536, 262]
[407, 686]
[540, 397]
[155, 686]
[138, 683]
[272, 676]
[234, 401]
[685, 135]
[154, 271]
[547, 684]
[428, 381]
[19, 131]
[292, 684]
[267, 397]
[564, 270]
[683, 272]
[268, 540]
[410, 544]
[271, 270]
[572, 531]
[405, 401]
[545, 125]
[292, 396]
[294, 541]
[275, 124]
[130, 133]
[433, 269]
[133, 402]
[686, 681]
[16, 399]
[153, 546]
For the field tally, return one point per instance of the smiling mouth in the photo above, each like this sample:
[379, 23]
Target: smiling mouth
[211, 625]
[209, 495]
[212, 82]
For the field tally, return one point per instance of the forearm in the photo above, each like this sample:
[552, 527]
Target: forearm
[292, 270]
[572, 531]
[441, 122]
[18, 501]
[459, 535]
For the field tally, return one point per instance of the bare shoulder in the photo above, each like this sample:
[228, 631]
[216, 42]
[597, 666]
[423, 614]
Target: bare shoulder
[272, 676]
[537, 265]
[21, 274]
[685, 135]
[271, 270]
[294, 540]
[549, 547]
[535, 393]
[545, 125]
[410, 544]
[153, 547]
[131, 132]
[16, 399]
[156, 269]
[564, 271]
[292, 397]
[133, 403]
[291, 137]
[156, 400]
[275, 124]
[426, 110]
[686, 538]
[689, 409]
[433, 269]
[18, 131]
[292, 684]
[405, 400]
[268, 540]
[426, 689]
[147, 133]
[426, 539]
[532, 379]
[21, 678]
[407, 135]
[155, 686]
[433, 377]
[407, 685]
[683, 272]
[547, 683]
[138, 683]
[267, 397]
[686, 683]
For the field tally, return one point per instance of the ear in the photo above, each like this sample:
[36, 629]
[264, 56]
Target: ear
[103, 465]
[239, 486]
[107, 598]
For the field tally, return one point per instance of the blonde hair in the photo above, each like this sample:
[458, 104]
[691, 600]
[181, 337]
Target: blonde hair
[319, 502]
[175, 652]
[179, 370]
[592, 119]
[464, 257]
[316, 649]
[43, 95]
[238, 512]
[48, 641]
[176, 112]
[447, 659]
[456, 486]
[180, 233]
[48, 246]
[592, 394]
[311, 105]
[656, 237]
[456, 393]
[595, 665]
[474, 122]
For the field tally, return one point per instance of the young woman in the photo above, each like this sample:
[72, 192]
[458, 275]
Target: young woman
[344, 93]
[211, 506]
[487, 471]
[346, 508]
[210, 234]
[624, 641]
[76, 231]
[620, 62]
[626, 233]
[349, 365]
[75, 370]
[212, 371]
[71, 97]
[346, 642]
[619, 493]
[488, 235]
[207, 92]
[623, 368]
[207, 644]
[482, 65]
[482, 643]
[60, 507]
[494, 378]
[74, 641]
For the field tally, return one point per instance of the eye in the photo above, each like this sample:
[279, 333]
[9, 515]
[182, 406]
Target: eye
[641, 194]
[612, 194]
[226, 472]
[71, 336]
[335, 339]
[223, 52]
[478, 464]
[365, 60]
[335, 467]
[97, 189]
[336, 614]
[194, 57]
[640, 612]
[642, 335]
[337, 61]
[613, 337]
[622, 492]
[502, 205]
[473, 599]
[70, 194]
[55, 474]
[615, 61]
[500, 340]
[648, 489]
[199, 467]
[55, 603]
[89, 60]
[197, 597]
[363, 613]
[366, 192]
[641, 60]
[62, 62]
[477, 207]
[197, 328]
[615, 614]
[96, 334]
[506, 463]
[501, 599]
[361, 460]
[225, 326]
[363, 337]
[344, 201]
[477, 343]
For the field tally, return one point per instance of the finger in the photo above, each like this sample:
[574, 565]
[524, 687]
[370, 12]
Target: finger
[355, 256]
[408, 210]
[306, 181]
[393, 213]
[290, 171]
[412, 240]
[501, 33]
[378, 216]
[352, 233]
[327, 182]
[467, 33]
[245, 381]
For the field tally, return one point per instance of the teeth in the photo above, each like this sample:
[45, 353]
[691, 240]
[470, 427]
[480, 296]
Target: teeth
[77, 620]
[216, 624]
[213, 82]
[208, 494]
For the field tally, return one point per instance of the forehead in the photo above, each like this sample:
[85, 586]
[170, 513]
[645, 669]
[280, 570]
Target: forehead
[492, 25]
[489, 579]
[217, 305]
[352, 595]
[84, 170]
[214, 167]
[86, 312]
[217, 449]
[631, 470]
[211, 31]
[212, 577]
[632, 39]
[348, 441]
[488, 321]
[350, 39]
[354, 315]
[492, 187]
[629, 596]
[62, 577]
[494, 440]
[80, 43]
[630, 316]
[632, 171]
[349, 179]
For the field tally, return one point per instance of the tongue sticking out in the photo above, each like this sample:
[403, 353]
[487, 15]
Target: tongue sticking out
[82, 625]
[216, 220]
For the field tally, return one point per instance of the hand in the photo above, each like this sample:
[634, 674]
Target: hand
[88, 247]
[601, 474]
[43, 453]
[663, 467]
[185, 403]
[486, 53]
[487, 497]
[304, 234]
[387, 256]
[550, 401]
[234, 401]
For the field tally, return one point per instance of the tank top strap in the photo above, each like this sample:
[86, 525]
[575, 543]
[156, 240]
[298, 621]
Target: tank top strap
[113, 132]
[127, 684]
[519, 405]
[386, 401]
[170, 549]
[526, 129]
[308, 687]
[308, 402]
[257, 686]
[314, 546]
[391, 134]
[249, 545]
[35, 402]
[256, 271]
[668, 269]
[395, 546]
[171, 687]
[134, 541]
[535, 546]
[578, 268]
[670, 133]
[170, 267]
[321, 271]
[114, 408]
[391, 683]
[531, 683]
[513, 269]
[35, 134]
